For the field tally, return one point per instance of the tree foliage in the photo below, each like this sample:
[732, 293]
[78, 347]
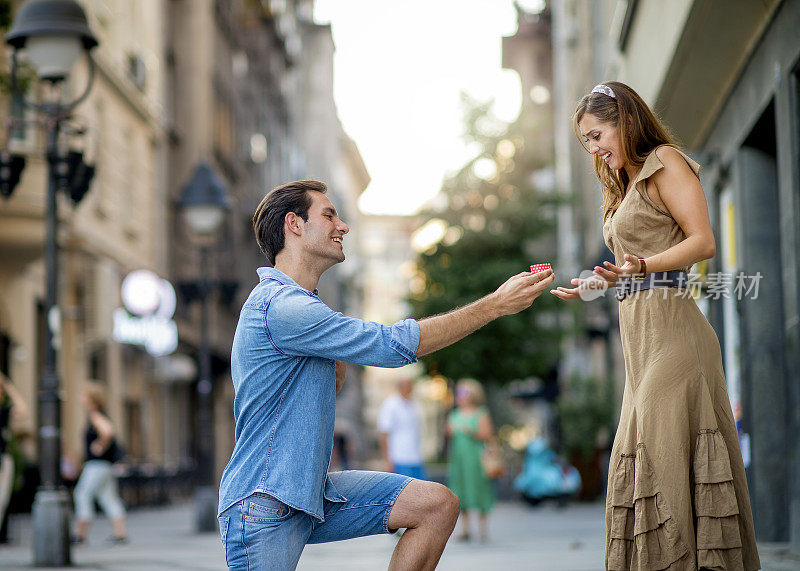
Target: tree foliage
[499, 213]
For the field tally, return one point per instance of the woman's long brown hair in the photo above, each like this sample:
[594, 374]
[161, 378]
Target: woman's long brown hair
[639, 130]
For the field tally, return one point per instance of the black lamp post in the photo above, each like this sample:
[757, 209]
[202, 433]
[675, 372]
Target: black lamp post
[203, 204]
[53, 33]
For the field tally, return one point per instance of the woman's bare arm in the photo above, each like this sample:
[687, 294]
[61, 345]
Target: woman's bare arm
[484, 431]
[18, 407]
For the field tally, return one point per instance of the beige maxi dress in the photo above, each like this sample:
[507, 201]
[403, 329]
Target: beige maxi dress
[677, 494]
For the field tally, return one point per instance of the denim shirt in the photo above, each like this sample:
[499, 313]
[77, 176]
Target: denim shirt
[283, 370]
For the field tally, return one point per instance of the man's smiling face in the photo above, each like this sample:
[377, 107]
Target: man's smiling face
[324, 231]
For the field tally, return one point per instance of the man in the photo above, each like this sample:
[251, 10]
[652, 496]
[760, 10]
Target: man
[399, 426]
[287, 363]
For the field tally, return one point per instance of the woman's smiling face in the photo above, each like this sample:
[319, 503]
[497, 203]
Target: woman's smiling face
[602, 139]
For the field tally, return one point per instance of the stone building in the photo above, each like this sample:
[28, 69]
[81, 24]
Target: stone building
[213, 82]
[115, 229]
[262, 74]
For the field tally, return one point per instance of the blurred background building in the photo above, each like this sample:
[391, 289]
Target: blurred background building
[119, 227]
[243, 88]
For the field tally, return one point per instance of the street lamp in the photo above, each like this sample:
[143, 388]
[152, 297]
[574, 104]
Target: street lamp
[53, 33]
[203, 204]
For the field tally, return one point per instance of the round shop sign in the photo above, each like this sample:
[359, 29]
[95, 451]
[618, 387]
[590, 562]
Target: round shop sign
[144, 293]
[146, 318]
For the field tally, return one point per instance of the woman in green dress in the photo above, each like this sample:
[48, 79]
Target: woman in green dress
[469, 428]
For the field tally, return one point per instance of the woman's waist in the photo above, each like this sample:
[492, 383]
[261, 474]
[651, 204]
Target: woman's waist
[677, 279]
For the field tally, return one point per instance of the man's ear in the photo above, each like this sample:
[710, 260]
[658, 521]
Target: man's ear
[292, 223]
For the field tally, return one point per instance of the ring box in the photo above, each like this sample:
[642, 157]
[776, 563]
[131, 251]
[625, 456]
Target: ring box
[536, 268]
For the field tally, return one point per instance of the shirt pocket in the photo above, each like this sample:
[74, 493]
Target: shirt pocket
[262, 508]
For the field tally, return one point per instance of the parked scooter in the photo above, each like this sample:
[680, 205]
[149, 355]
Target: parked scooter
[545, 476]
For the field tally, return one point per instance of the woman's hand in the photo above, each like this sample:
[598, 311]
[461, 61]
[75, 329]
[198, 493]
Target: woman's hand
[567, 294]
[587, 289]
[612, 273]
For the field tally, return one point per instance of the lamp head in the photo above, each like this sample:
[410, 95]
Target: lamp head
[204, 201]
[53, 32]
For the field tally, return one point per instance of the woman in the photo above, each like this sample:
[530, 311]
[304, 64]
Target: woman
[469, 427]
[97, 480]
[677, 495]
[12, 406]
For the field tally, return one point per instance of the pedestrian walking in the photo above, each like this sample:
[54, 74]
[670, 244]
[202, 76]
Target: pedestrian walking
[288, 361]
[469, 428]
[399, 423]
[12, 406]
[677, 494]
[97, 480]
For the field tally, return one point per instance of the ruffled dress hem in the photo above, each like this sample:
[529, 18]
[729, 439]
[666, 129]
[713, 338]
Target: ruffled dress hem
[645, 537]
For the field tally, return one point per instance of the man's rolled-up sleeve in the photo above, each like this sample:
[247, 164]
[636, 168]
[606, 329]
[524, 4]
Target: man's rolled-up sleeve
[299, 324]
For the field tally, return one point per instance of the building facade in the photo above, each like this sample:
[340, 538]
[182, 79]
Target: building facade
[262, 74]
[212, 82]
[112, 231]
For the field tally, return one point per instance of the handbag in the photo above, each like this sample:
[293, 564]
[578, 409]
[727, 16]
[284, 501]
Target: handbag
[492, 460]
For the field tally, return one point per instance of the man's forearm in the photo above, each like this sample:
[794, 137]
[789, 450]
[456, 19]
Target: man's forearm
[445, 329]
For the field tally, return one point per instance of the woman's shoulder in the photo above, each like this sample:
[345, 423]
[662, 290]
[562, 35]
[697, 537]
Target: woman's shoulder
[667, 159]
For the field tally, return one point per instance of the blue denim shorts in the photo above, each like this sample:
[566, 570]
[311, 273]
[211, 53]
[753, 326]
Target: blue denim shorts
[261, 532]
[412, 470]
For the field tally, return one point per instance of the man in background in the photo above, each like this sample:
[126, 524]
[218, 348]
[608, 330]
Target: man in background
[399, 423]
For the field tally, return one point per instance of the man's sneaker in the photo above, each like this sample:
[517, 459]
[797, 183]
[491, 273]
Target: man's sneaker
[117, 540]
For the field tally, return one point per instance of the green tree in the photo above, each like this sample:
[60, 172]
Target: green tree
[499, 213]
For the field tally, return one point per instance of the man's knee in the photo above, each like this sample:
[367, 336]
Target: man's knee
[443, 502]
[424, 503]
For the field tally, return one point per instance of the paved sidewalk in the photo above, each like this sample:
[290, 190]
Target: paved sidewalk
[545, 538]
[521, 538]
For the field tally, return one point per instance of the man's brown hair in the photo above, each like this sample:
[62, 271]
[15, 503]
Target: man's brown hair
[271, 213]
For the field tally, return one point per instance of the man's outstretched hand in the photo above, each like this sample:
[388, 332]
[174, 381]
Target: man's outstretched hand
[519, 291]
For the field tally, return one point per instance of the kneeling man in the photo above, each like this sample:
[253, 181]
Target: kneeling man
[288, 362]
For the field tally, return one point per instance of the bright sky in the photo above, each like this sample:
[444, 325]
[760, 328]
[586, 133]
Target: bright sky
[399, 68]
